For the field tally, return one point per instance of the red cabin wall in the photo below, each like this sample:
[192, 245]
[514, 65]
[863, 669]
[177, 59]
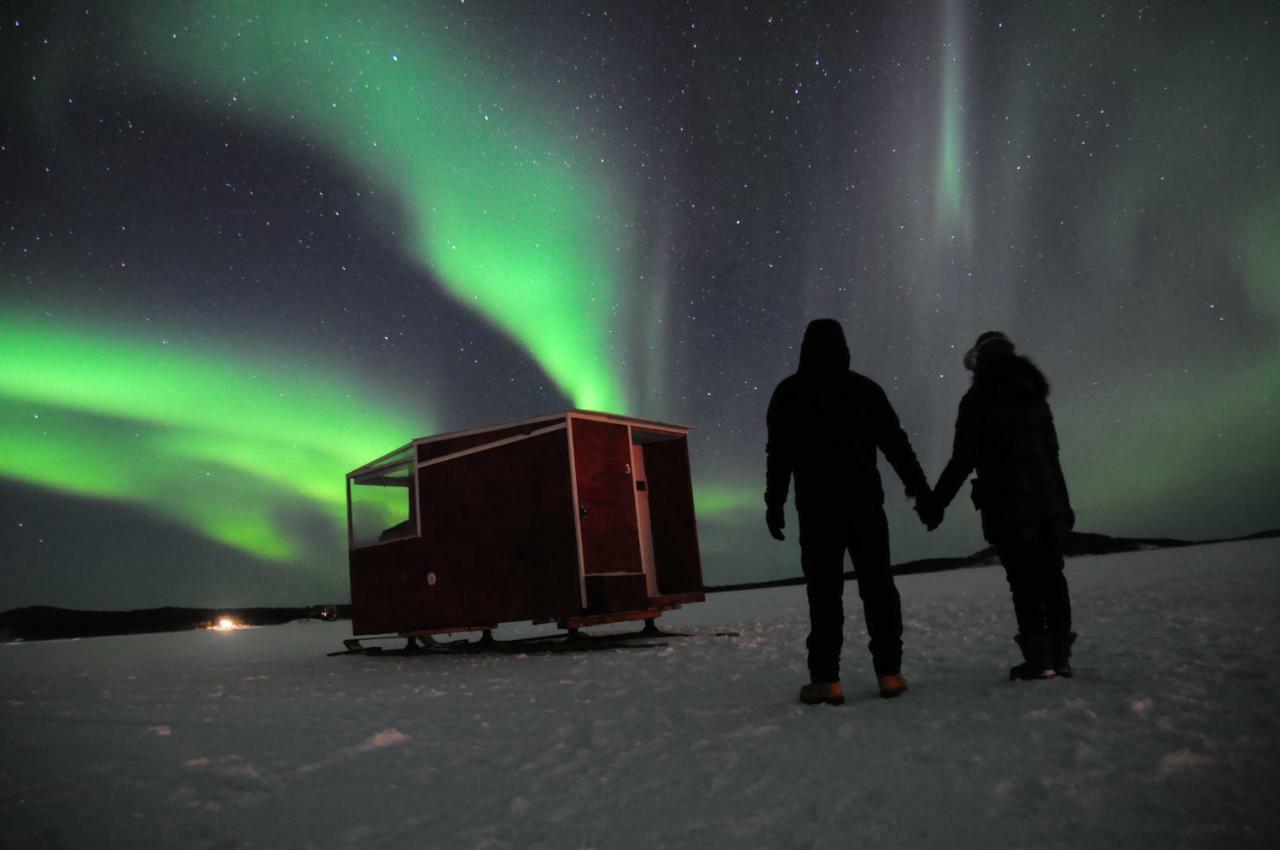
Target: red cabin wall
[388, 587]
[499, 524]
[498, 535]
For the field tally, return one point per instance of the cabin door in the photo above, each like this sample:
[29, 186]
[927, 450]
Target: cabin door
[606, 498]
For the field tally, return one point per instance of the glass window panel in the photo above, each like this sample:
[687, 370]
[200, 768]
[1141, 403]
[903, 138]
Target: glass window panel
[383, 505]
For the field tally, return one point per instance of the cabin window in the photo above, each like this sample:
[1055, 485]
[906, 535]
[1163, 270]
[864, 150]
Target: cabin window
[382, 505]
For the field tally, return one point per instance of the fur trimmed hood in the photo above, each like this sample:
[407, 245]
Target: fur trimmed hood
[1010, 376]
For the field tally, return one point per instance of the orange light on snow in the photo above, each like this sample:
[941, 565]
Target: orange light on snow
[226, 624]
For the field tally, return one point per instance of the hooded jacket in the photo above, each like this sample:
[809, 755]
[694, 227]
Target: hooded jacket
[825, 424]
[1005, 431]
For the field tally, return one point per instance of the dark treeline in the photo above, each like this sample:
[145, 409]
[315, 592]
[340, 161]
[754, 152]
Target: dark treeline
[42, 622]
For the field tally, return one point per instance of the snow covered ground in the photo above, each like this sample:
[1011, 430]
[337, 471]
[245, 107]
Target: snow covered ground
[1168, 737]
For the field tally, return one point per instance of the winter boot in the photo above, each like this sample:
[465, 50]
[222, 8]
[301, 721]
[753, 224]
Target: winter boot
[892, 686]
[1060, 652]
[817, 693]
[1035, 651]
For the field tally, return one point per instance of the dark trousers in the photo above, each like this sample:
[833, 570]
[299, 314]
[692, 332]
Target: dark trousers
[824, 538]
[1041, 601]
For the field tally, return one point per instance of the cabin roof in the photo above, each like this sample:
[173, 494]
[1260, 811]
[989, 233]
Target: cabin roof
[532, 420]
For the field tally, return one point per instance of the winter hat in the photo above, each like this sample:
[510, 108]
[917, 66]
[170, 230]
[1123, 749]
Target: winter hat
[991, 338]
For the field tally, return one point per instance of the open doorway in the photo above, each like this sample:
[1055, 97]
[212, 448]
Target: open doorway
[664, 513]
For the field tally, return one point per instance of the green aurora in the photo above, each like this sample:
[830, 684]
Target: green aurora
[1187, 439]
[725, 502]
[226, 447]
[502, 211]
[951, 205]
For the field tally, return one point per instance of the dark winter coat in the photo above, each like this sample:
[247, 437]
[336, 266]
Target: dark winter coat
[1005, 431]
[825, 425]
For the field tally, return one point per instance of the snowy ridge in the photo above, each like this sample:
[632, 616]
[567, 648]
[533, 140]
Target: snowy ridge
[1168, 737]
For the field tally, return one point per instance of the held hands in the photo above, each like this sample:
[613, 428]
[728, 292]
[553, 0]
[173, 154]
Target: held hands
[929, 511]
[776, 519]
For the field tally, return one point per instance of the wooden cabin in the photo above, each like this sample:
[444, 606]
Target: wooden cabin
[573, 518]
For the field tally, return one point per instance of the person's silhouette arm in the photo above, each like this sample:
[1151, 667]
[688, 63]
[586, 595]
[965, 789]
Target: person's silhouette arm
[776, 519]
[779, 464]
[895, 444]
[964, 455]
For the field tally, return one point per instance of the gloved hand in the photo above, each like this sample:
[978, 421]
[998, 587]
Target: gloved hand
[776, 519]
[929, 511]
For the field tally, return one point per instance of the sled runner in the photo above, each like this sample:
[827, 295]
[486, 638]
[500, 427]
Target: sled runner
[569, 640]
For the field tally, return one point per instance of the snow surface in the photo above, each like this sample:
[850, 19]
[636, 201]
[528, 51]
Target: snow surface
[1168, 736]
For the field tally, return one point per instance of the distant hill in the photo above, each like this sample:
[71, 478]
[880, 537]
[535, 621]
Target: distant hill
[42, 622]
[1078, 543]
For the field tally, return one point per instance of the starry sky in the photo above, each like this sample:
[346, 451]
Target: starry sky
[247, 247]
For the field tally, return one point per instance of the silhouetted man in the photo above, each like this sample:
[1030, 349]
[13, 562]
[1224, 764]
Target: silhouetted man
[825, 425]
[1005, 431]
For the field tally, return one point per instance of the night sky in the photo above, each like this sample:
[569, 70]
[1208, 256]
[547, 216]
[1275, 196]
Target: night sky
[247, 247]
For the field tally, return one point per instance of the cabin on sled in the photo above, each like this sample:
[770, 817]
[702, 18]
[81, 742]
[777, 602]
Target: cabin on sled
[574, 518]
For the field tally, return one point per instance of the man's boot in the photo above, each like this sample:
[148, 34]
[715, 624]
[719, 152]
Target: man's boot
[892, 686]
[1035, 652]
[817, 693]
[1060, 652]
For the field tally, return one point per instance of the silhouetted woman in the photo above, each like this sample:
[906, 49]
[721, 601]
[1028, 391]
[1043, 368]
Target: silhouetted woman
[1005, 431]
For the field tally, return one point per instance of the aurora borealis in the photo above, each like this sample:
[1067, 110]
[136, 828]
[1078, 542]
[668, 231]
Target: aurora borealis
[509, 221]
[250, 246]
[123, 421]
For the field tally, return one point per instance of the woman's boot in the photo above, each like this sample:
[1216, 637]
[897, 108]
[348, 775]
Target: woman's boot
[1037, 663]
[1060, 652]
